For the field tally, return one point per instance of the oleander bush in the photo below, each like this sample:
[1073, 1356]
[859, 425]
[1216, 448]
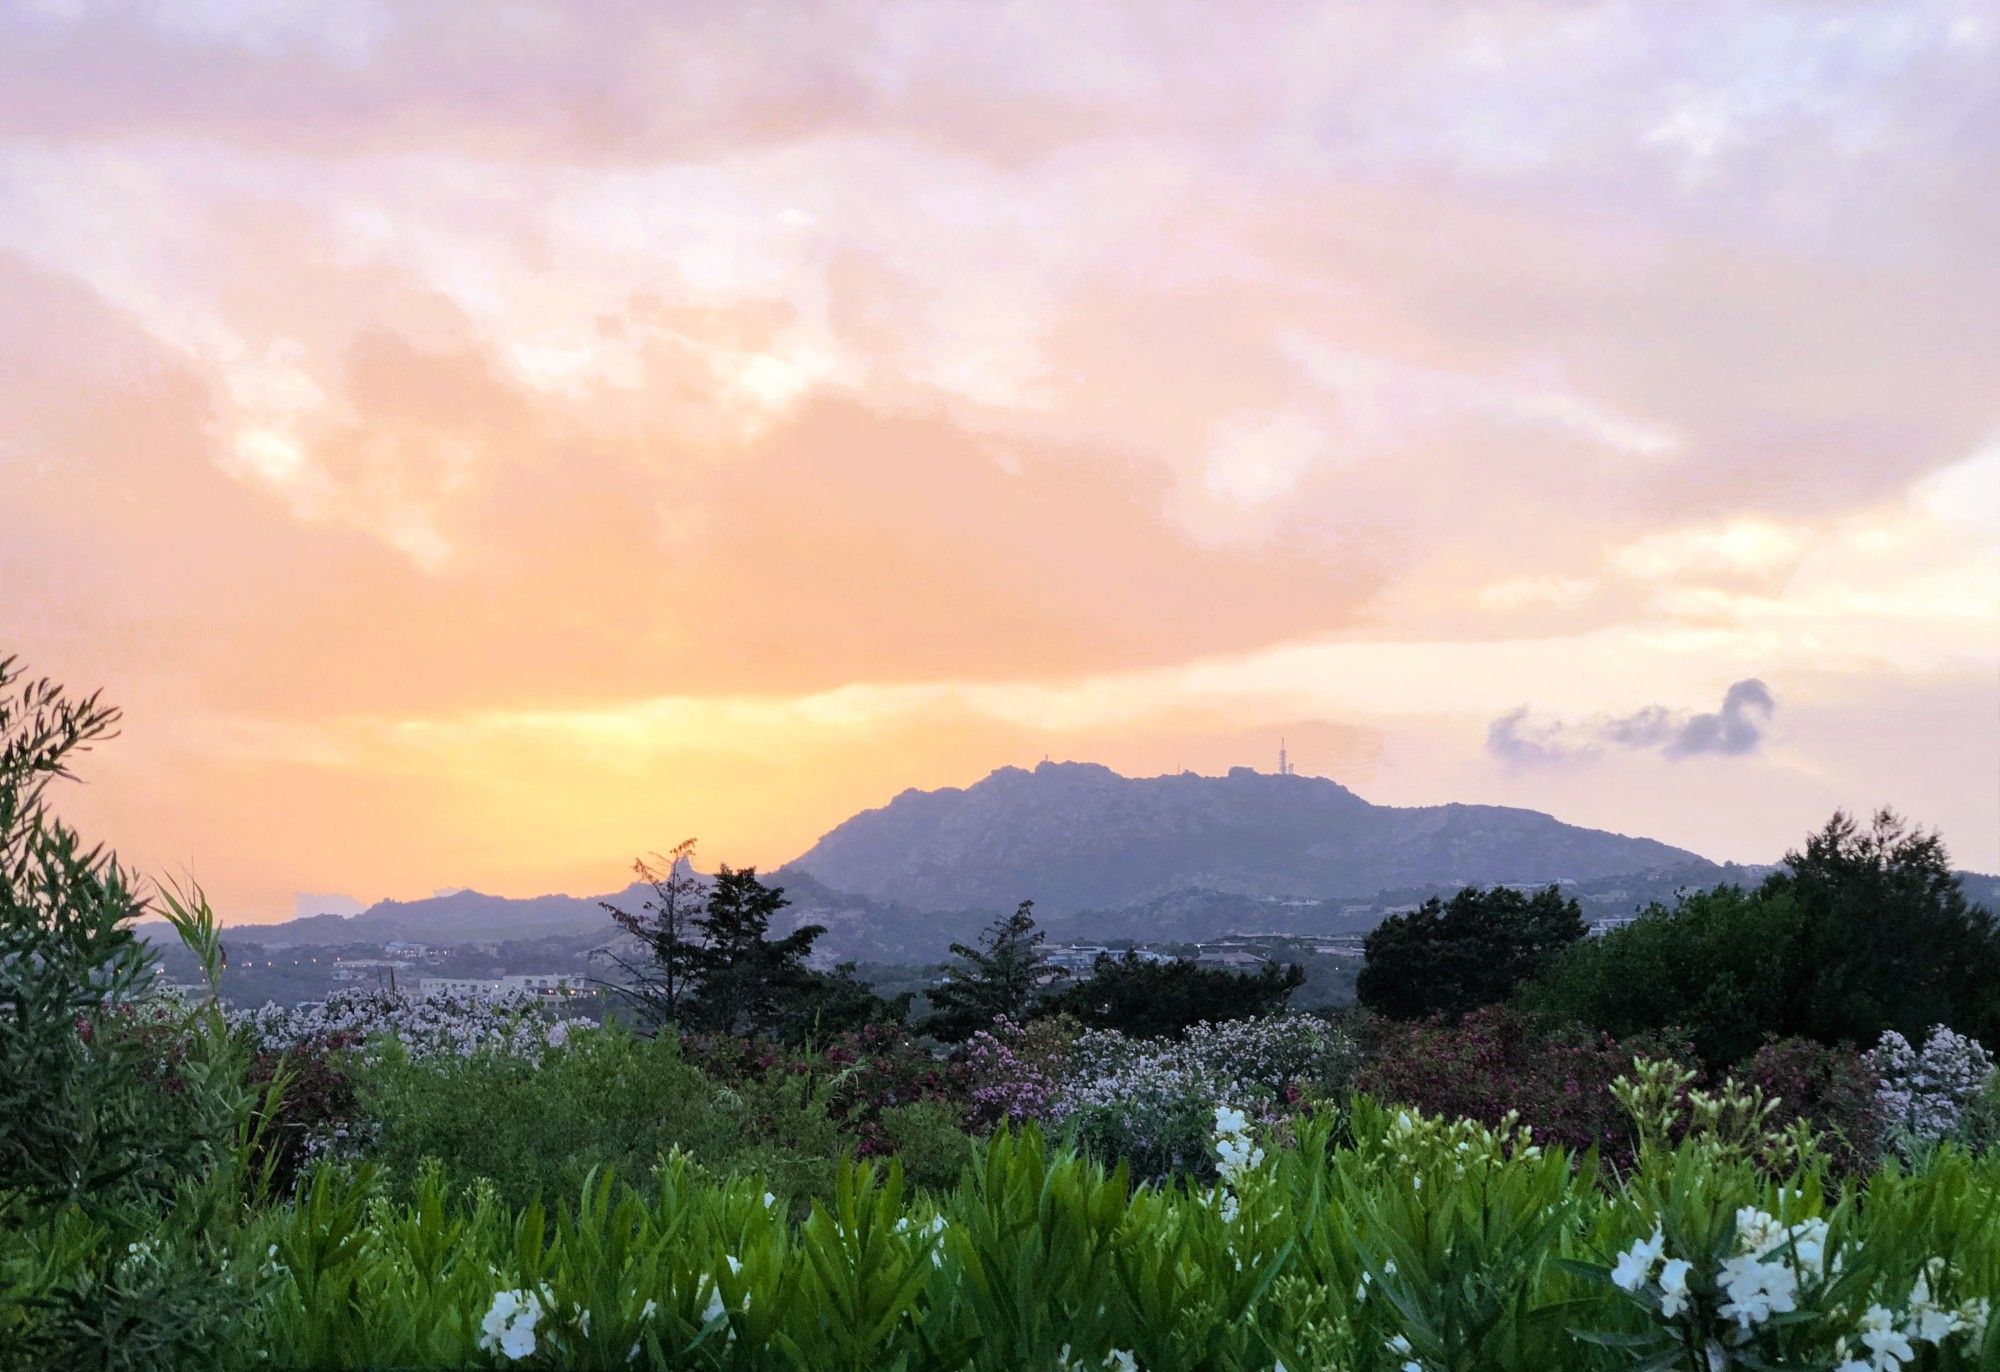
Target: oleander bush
[1365, 1238]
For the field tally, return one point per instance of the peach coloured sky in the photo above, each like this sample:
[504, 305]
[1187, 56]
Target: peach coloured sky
[477, 443]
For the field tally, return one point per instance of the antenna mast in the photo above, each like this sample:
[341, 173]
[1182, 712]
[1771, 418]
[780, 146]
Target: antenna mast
[1284, 761]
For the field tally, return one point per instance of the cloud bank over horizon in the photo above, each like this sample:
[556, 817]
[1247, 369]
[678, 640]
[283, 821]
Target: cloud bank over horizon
[474, 442]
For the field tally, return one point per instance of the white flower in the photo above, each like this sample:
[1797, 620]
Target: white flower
[508, 1327]
[1635, 1265]
[1756, 1290]
[1119, 1360]
[716, 1309]
[1889, 1345]
[519, 1340]
[1674, 1287]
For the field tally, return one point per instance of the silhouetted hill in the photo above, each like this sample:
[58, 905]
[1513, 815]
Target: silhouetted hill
[1077, 836]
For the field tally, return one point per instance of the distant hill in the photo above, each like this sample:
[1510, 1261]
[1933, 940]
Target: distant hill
[1077, 836]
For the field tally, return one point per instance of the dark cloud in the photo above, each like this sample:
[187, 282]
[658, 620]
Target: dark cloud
[1737, 728]
[1732, 731]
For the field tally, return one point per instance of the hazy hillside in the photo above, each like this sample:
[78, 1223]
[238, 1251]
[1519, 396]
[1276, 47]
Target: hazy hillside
[1077, 836]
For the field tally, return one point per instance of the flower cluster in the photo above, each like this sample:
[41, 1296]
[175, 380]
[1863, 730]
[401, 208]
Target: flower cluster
[1924, 1095]
[1153, 1103]
[1018, 1071]
[1236, 1154]
[426, 1026]
[508, 1329]
[1891, 1342]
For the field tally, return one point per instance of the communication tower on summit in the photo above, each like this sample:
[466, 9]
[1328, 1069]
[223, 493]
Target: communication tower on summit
[1284, 761]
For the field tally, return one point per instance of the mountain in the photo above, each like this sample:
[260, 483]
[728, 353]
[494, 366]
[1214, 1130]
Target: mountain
[1075, 836]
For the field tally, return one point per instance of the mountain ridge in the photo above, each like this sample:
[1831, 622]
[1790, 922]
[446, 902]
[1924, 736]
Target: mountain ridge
[1147, 865]
[1079, 835]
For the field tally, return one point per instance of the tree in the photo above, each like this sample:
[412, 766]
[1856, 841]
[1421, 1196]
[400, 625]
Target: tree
[1448, 957]
[743, 977]
[665, 924]
[840, 1002]
[1862, 931]
[1712, 966]
[998, 977]
[1890, 941]
[1163, 999]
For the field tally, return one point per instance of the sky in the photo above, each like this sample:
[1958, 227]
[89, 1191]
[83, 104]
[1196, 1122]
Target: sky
[479, 443]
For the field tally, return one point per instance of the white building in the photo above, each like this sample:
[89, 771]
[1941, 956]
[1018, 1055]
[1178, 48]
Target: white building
[457, 986]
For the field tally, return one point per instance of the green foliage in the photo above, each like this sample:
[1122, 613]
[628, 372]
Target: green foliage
[73, 1119]
[929, 1140]
[746, 980]
[1892, 942]
[1864, 931]
[1363, 1240]
[997, 979]
[607, 1101]
[1165, 999]
[1451, 957]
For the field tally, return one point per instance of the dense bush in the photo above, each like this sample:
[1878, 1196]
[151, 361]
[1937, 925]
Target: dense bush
[1449, 957]
[1150, 1103]
[1935, 1095]
[1496, 1064]
[604, 1099]
[1866, 930]
[1833, 1091]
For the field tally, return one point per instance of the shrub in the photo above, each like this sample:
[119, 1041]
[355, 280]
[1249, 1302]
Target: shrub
[1150, 1103]
[1497, 1063]
[1926, 1096]
[928, 1139]
[1831, 1090]
[604, 1099]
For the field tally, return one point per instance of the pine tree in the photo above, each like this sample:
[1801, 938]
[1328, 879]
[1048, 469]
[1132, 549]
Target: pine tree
[745, 979]
[1001, 976]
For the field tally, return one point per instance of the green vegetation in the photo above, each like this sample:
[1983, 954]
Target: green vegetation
[1448, 957]
[1865, 930]
[1149, 999]
[999, 979]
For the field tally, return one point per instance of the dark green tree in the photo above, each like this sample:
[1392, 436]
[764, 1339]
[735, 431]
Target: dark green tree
[1448, 957]
[1889, 939]
[746, 981]
[1711, 966]
[1164, 999]
[840, 1002]
[999, 976]
[1865, 929]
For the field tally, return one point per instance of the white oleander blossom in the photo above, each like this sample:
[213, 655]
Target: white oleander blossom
[1635, 1265]
[508, 1328]
[1236, 1153]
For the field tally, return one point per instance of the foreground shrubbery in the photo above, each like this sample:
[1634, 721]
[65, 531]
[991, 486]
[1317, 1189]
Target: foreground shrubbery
[1372, 1240]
